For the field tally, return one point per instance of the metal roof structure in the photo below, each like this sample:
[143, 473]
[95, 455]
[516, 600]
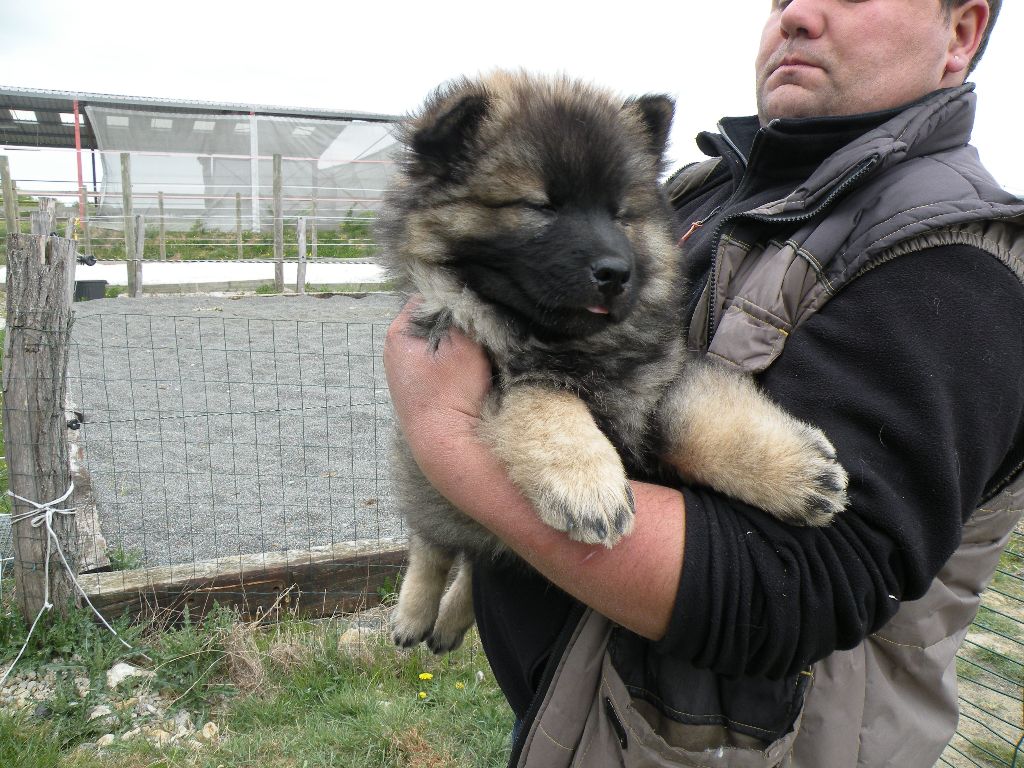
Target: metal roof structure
[41, 118]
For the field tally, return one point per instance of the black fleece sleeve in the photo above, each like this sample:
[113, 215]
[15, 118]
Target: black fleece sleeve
[915, 371]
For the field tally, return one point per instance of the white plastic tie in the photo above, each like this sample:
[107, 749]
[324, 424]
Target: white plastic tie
[42, 514]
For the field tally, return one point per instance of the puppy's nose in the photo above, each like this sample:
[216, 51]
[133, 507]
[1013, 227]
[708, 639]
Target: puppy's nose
[611, 274]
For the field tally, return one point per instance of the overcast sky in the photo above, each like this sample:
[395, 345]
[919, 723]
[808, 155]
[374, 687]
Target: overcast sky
[385, 57]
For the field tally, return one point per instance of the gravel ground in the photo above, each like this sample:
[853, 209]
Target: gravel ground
[219, 425]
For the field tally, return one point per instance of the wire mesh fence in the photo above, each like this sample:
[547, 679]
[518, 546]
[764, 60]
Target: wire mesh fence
[229, 433]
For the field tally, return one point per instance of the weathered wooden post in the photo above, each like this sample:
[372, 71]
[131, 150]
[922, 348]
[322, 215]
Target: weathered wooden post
[278, 227]
[129, 221]
[238, 222]
[140, 243]
[40, 279]
[10, 198]
[44, 221]
[163, 227]
[87, 235]
[300, 268]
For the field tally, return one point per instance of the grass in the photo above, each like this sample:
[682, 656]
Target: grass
[291, 693]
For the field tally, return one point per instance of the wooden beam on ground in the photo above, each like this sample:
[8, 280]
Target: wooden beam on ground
[338, 578]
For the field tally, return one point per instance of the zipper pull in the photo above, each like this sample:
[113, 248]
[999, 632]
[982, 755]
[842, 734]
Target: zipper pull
[693, 228]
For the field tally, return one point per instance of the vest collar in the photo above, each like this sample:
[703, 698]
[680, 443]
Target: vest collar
[821, 152]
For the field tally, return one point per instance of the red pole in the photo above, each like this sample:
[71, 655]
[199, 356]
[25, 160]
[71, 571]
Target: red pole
[78, 158]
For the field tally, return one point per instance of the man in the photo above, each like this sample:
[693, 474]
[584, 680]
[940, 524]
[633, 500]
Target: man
[856, 257]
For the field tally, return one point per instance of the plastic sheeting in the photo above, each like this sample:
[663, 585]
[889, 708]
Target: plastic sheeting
[335, 168]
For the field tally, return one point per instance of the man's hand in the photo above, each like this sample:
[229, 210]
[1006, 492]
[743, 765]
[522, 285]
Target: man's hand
[436, 395]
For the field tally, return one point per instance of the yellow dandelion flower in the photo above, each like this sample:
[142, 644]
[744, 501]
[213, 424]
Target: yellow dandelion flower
[426, 676]
[423, 694]
[460, 686]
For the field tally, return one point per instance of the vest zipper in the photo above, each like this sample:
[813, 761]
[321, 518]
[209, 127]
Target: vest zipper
[1002, 484]
[550, 667]
[863, 168]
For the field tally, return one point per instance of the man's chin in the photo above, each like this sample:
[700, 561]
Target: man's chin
[790, 101]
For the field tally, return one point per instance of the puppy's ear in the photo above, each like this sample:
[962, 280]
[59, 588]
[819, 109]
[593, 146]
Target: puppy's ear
[655, 112]
[442, 144]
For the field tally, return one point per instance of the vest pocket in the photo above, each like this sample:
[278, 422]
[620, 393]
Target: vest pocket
[626, 731]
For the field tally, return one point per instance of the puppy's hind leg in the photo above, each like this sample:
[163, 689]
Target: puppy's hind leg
[420, 595]
[456, 614]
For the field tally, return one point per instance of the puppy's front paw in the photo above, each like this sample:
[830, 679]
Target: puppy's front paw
[594, 509]
[562, 462]
[812, 490]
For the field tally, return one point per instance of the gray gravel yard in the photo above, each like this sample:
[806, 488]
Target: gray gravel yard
[234, 425]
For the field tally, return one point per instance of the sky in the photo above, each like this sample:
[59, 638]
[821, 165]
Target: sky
[385, 57]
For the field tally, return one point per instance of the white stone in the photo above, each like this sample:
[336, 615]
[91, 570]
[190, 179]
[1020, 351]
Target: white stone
[121, 671]
[99, 711]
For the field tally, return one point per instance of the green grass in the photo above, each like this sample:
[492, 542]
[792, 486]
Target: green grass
[291, 693]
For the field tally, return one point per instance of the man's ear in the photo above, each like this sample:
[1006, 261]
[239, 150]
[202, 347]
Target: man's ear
[969, 22]
[655, 111]
[442, 141]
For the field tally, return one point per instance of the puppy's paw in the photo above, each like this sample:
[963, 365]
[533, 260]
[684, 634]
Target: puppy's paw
[723, 432]
[445, 641]
[562, 462]
[594, 509]
[803, 482]
[412, 623]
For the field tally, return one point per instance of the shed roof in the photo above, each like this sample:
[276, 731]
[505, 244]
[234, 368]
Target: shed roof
[41, 118]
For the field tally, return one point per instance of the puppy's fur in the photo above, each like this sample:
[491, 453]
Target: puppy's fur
[528, 214]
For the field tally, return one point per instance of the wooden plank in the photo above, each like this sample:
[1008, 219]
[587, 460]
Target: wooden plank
[40, 281]
[332, 579]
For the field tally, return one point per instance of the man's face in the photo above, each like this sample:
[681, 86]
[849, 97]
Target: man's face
[844, 57]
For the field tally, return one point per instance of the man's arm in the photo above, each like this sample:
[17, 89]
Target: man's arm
[437, 399]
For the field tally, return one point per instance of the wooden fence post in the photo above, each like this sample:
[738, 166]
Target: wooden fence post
[135, 265]
[44, 221]
[10, 200]
[129, 220]
[87, 234]
[300, 268]
[40, 278]
[163, 227]
[312, 221]
[278, 227]
[238, 222]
